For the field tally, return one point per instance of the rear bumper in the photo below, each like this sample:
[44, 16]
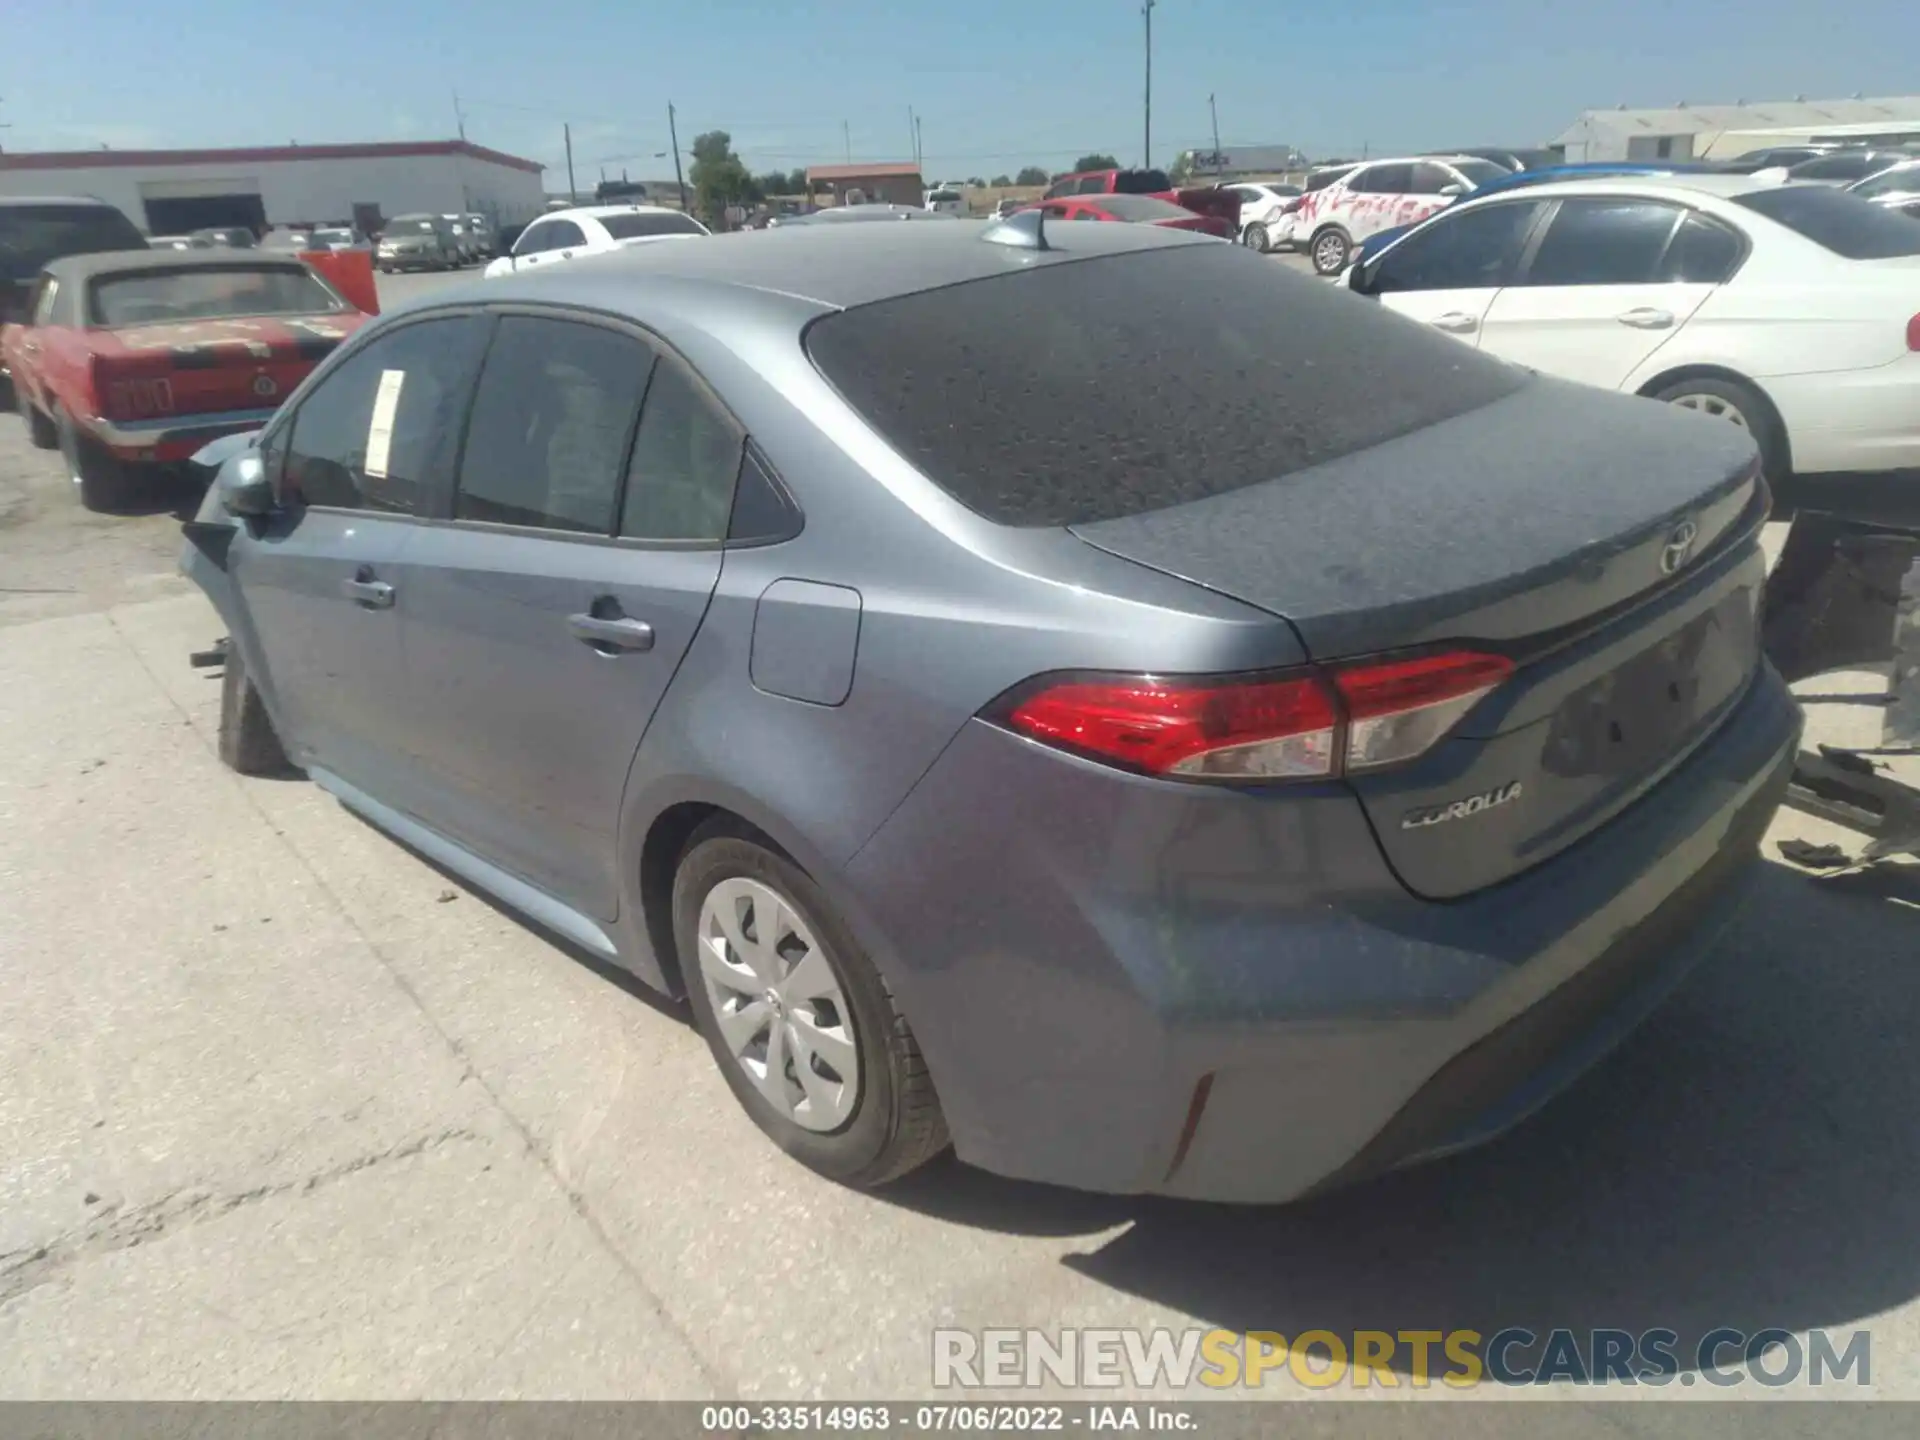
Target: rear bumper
[173, 438]
[1227, 997]
[1852, 420]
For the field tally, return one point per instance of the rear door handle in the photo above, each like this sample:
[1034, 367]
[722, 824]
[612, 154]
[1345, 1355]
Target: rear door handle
[374, 594]
[1456, 322]
[607, 635]
[1646, 318]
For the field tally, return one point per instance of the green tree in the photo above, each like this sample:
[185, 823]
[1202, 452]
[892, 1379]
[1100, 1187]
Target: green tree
[774, 182]
[717, 176]
[1096, 162]
[977, 183]
[1031, 175]
[1181, 171]
[1001, 182]
[796, 182]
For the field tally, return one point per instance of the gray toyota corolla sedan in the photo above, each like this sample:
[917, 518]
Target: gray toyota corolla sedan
[1152, 720]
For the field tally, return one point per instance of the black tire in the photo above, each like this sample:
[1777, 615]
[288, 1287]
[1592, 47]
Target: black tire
[248, 743]
[106, 483]
[1726, 399]
[1255, 238]
[896, 1125]
[1330, 249]
[41, 433]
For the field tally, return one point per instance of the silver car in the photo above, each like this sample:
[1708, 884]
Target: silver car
[1097, 698]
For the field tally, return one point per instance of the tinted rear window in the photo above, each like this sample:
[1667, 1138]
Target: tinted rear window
[1852, 228]
[637, 227]
[1141, 182]
[1143, 208]
[211, 294]
[1087, 390]
[31, 235]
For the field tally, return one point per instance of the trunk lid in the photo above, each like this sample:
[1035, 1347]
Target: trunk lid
[203, 367]
[1605, 543]
[1211, 201]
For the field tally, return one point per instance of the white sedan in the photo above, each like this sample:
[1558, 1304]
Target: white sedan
[591, 230]
[1792, 311]
[1266, 209]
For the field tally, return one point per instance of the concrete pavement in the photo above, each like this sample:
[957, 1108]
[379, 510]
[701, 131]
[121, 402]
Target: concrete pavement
[286, 1112]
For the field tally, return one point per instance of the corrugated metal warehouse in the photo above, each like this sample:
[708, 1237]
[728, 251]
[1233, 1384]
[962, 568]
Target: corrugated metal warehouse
[1723, 132]
[169, 192]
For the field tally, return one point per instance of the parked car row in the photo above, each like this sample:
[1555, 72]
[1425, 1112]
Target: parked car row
[434, 242]
[817, 623]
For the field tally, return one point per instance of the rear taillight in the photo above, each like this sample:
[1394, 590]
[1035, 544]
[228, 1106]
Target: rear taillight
[1913, 333]
[1294, 725]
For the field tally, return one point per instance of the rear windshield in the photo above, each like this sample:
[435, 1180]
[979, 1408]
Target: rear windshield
[1086, 390]
[1850, 227]
[1325, 178]
[31, 235]
[202, 294]
[1141, 208]
[1481, 172]
[638, 227]
[412, 227]
[1141, 182]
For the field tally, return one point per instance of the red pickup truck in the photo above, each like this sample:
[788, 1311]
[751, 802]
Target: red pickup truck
[1209, 200]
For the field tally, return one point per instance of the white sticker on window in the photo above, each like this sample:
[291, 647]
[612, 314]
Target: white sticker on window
[380, 428]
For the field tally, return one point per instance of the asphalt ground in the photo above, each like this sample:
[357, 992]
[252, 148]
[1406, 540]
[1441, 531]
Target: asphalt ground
[287, 1112]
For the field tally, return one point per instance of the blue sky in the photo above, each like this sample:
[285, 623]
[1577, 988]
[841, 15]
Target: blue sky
[998, 83]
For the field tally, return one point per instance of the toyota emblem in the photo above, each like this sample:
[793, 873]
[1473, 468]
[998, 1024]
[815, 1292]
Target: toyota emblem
[264, 387]
[1679, 547]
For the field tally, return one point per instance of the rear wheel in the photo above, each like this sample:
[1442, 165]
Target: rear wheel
[248, 743]
[1739, 405]
[1254, 237]
[40, 430]
[801, 1024]
[104, 481]
[1330, 248]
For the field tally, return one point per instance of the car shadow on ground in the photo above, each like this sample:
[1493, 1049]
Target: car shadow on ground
[1748, 1159]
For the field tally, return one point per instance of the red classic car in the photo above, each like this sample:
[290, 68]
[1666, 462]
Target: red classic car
[133, 359]
[1136, 210]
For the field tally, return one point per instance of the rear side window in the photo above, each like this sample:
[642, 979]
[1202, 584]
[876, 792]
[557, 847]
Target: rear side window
[1141, 182]
[1850, 227]
[1703, 252]
[1200, 369]
[551, 422]
[1603, 242]
[379, 432]
[686, 458]
[31, 235]
[1383, 180]
[1092, 185]
[642, 226]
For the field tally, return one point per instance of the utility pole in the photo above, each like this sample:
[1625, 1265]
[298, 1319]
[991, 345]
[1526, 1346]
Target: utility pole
[459, 117]
[913, 137]
[846, 134]
[673, 136]
[572, 193]
[1146, 148]
[1215, 112]
[919, 150]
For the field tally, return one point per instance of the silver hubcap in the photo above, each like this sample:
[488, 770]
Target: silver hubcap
[1717, 406]
[778, 1004]
[1256, 237]
[1327, 252]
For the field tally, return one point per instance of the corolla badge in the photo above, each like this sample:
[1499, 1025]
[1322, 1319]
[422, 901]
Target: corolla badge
[1679, 547]
[1462, 809]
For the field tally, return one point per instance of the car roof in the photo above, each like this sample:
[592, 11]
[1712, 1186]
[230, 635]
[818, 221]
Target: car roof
[600, 212]
[75, 268]
[1724, 187]
[10, 202]
[834, 265]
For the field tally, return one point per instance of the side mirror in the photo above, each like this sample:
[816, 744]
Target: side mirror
[1360, 276]
[244, 487]
[1453, 190]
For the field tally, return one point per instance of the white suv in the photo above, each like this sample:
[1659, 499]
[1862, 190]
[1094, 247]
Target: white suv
[1266, 212]
[1381, 195]
[591, 230]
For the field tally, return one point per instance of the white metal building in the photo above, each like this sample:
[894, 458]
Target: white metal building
[168, 192]
[1722, 132]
